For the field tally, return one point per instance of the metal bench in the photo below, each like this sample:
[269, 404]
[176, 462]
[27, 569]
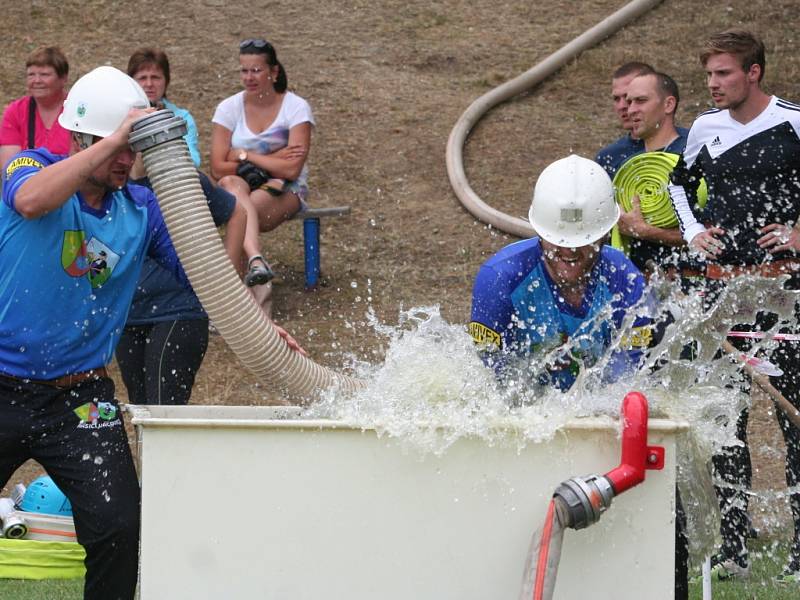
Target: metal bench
[311, 230]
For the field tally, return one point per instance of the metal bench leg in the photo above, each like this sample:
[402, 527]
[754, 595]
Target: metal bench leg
[312, 259]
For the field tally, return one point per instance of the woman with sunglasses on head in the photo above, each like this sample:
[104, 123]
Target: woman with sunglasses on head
[259, 145]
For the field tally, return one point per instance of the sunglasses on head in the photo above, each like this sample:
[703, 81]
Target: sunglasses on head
[256, 43]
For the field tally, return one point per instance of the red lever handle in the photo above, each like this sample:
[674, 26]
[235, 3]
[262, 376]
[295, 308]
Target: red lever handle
[636, 454]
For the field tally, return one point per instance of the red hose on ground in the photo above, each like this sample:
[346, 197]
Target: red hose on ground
[544, 554]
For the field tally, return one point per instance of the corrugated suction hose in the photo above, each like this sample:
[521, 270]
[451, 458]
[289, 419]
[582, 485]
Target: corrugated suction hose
[454, 156]
[240, 321]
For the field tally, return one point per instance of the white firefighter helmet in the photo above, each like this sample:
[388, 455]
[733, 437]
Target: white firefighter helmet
[100, 100]
[573, 203]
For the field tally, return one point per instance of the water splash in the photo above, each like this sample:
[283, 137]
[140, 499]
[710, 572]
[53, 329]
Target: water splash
[432, 388]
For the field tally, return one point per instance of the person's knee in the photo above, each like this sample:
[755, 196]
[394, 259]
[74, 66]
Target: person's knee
[235, 185]
[274, 211]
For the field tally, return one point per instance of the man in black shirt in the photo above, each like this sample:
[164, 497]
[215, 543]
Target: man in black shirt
[748, 150]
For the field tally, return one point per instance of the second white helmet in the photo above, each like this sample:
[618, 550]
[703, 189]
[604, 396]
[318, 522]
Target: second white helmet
[100, 100]
[573, 203]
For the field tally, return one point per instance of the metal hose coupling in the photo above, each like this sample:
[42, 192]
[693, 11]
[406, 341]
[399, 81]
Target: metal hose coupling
[156, 128]
[235, 314]
[581, 500]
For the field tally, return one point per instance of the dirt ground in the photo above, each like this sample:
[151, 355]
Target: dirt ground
[387, 82]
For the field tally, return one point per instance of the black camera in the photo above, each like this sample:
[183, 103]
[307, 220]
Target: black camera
[253, 175]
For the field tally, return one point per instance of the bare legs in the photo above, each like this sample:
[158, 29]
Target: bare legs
[235, 233]
[264, 212]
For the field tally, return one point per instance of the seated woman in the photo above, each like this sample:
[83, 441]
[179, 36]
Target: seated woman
[259, 144]
[32, 121]
[166, 335]
[150, 68]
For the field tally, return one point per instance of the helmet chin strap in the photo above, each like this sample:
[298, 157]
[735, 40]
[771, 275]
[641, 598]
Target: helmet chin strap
[84, 139]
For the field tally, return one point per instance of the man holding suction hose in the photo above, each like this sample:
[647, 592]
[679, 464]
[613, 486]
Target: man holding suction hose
[62, 319]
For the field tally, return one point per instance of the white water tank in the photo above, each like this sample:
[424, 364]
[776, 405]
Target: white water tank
[246, 503]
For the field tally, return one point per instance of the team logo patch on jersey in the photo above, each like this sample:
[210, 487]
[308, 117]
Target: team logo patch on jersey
[483, 335]
[95, 416]
[639, 337]
[73, 254]
[93, 258]
[101, 262]
[22, 161]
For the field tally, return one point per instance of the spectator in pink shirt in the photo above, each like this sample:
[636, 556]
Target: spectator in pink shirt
[32, 121]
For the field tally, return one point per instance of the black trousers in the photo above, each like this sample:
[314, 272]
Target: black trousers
[681, 551]
[732, 465]
[78, 436]
[159, 361]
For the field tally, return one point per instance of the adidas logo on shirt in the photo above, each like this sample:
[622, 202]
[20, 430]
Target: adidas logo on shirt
[716, 142]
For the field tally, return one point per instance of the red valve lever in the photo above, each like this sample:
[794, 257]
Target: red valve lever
[636, 454]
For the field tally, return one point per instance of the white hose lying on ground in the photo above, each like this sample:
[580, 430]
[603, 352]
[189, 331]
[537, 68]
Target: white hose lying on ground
[458, 136]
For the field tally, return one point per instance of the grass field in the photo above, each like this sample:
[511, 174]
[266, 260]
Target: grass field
[767, 561]
[50, 589]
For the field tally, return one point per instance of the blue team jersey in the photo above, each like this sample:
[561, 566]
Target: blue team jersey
[68, 276]
[617, 152]
[517, 311]
[612, 157]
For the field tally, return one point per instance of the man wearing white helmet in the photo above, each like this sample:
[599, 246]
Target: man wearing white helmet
[547, 307]
[61, 318]
[547, 298]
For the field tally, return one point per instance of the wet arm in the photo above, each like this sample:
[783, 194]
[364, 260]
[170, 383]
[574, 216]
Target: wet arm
[52, 186]
[8, 151]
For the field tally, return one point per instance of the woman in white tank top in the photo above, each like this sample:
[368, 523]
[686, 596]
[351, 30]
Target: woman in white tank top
[259, 144]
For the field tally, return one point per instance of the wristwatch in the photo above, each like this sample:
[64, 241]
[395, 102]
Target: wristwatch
[243, 156]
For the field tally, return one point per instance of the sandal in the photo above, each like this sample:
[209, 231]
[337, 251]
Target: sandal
[258, 274]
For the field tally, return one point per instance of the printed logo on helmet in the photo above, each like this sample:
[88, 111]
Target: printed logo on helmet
[81, 110]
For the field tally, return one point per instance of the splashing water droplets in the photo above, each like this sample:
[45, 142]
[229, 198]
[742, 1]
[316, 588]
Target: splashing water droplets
[432, 388]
